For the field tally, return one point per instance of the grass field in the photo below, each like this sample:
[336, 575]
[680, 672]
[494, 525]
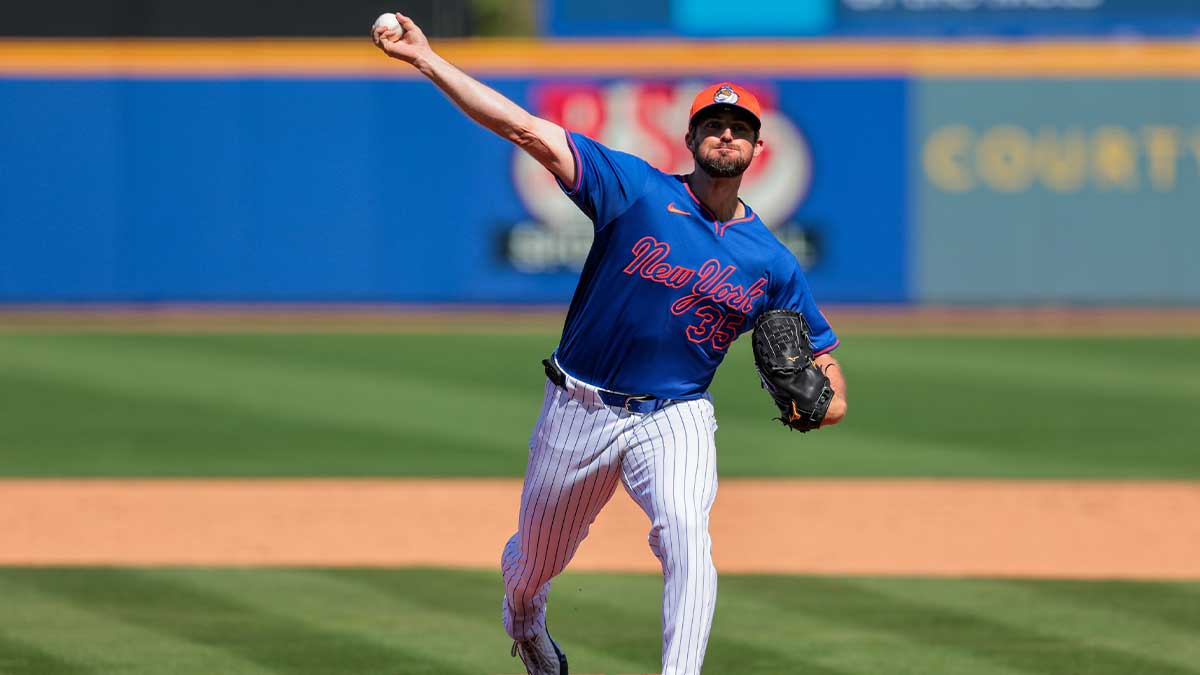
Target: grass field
[463, 405]
[311, 621]
[347, 404]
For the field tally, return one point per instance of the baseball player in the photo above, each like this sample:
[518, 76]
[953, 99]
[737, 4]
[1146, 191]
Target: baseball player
[679, 267]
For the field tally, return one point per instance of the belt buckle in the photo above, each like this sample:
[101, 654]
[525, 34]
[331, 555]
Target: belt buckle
[630, 399]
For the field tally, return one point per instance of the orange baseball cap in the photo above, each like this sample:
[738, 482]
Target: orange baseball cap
[726, 94]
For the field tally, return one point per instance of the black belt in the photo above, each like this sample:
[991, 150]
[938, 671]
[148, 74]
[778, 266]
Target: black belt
[639, 404]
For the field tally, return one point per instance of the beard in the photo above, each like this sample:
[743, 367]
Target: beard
[720, 165]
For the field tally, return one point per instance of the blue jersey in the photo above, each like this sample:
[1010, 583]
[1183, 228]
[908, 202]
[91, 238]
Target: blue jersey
[667, 287]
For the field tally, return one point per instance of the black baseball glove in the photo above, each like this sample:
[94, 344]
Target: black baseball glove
[783, 357]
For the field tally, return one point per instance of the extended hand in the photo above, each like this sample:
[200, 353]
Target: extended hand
[410, 46]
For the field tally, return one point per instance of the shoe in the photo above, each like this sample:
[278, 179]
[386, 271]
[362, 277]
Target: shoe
[541, 655]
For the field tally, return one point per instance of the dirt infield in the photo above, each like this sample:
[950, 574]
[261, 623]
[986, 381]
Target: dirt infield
[848, 319]
[1085, 530]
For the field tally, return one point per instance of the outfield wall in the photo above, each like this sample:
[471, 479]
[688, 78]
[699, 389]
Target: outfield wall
[319, 171]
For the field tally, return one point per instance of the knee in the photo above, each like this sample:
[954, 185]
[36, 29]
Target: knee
[512, 549]
[512, 560]
[683, 541]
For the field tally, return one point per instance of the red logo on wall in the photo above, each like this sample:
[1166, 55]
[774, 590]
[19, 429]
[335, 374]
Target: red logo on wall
[647, 119]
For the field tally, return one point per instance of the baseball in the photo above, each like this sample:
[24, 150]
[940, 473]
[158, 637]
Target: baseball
[389, 22]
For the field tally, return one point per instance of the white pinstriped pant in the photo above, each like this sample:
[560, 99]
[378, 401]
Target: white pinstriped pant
[580, 448]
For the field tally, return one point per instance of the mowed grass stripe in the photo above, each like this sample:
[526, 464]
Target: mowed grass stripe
[1101, 365]
[400, 415]
[390, 616]
[42, 632]
[277, 642]
[1031, 646]
[915, 410]
[751, 633]
[625, 641]
[437, 621]
[455, 405]
[193, 438]
[847, 648]
[177, 370]
[109, 433]
[1168, 612]
[389, 607]
[21, 658]
[1103, 630]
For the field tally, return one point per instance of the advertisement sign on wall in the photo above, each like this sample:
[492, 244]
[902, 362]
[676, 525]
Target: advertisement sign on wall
[1057, 190]
[696, 18]
[878, 18]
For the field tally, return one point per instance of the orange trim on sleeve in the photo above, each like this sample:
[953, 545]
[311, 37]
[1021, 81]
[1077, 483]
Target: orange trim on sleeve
[575, 156]
[828, 349]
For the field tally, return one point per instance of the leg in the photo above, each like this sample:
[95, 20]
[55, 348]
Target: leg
[572, 472]
[671, 471]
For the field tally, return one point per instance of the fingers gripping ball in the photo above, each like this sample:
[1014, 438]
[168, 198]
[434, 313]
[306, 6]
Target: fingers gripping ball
[388, 22]
[783, 356]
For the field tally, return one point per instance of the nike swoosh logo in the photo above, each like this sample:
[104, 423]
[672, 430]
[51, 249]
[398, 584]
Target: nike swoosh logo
[671, 207]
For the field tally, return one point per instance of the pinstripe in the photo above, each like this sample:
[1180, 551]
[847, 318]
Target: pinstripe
[678, 556]
[530, 497]
[573, 496]
[556, 506]
[706, 591]
[696, 544]
[670, 551]
[667, 549]
[574, 468]
[552, 454]
[579, 449]
[698, 536]
[543, 486]
[705, 595]
[711, 579]
[529, 507]
[578, 516]
[530, 550]
[608, 484]
[688, 609]
[678, 451]
[690, 533]
[548, 397]
[532, 477]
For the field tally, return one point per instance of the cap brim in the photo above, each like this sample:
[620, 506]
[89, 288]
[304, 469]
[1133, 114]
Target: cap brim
[746, 112]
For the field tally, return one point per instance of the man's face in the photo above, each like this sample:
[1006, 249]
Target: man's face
[723, 142]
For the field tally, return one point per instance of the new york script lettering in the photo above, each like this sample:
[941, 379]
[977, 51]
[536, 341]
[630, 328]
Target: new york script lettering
[711, 287]
[648, 262]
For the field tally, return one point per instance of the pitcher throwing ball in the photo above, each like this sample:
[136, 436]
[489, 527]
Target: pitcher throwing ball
[679, 267]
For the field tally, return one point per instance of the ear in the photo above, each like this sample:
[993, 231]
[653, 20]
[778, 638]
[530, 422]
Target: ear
[688, 139]
[758, 147]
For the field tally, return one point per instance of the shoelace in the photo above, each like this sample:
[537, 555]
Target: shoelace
[532, 654]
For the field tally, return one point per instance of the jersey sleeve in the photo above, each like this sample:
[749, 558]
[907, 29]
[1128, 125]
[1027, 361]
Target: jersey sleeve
[607, 182]
[793, 293]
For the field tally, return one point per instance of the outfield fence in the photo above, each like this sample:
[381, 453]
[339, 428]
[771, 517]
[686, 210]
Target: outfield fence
[319, 171]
